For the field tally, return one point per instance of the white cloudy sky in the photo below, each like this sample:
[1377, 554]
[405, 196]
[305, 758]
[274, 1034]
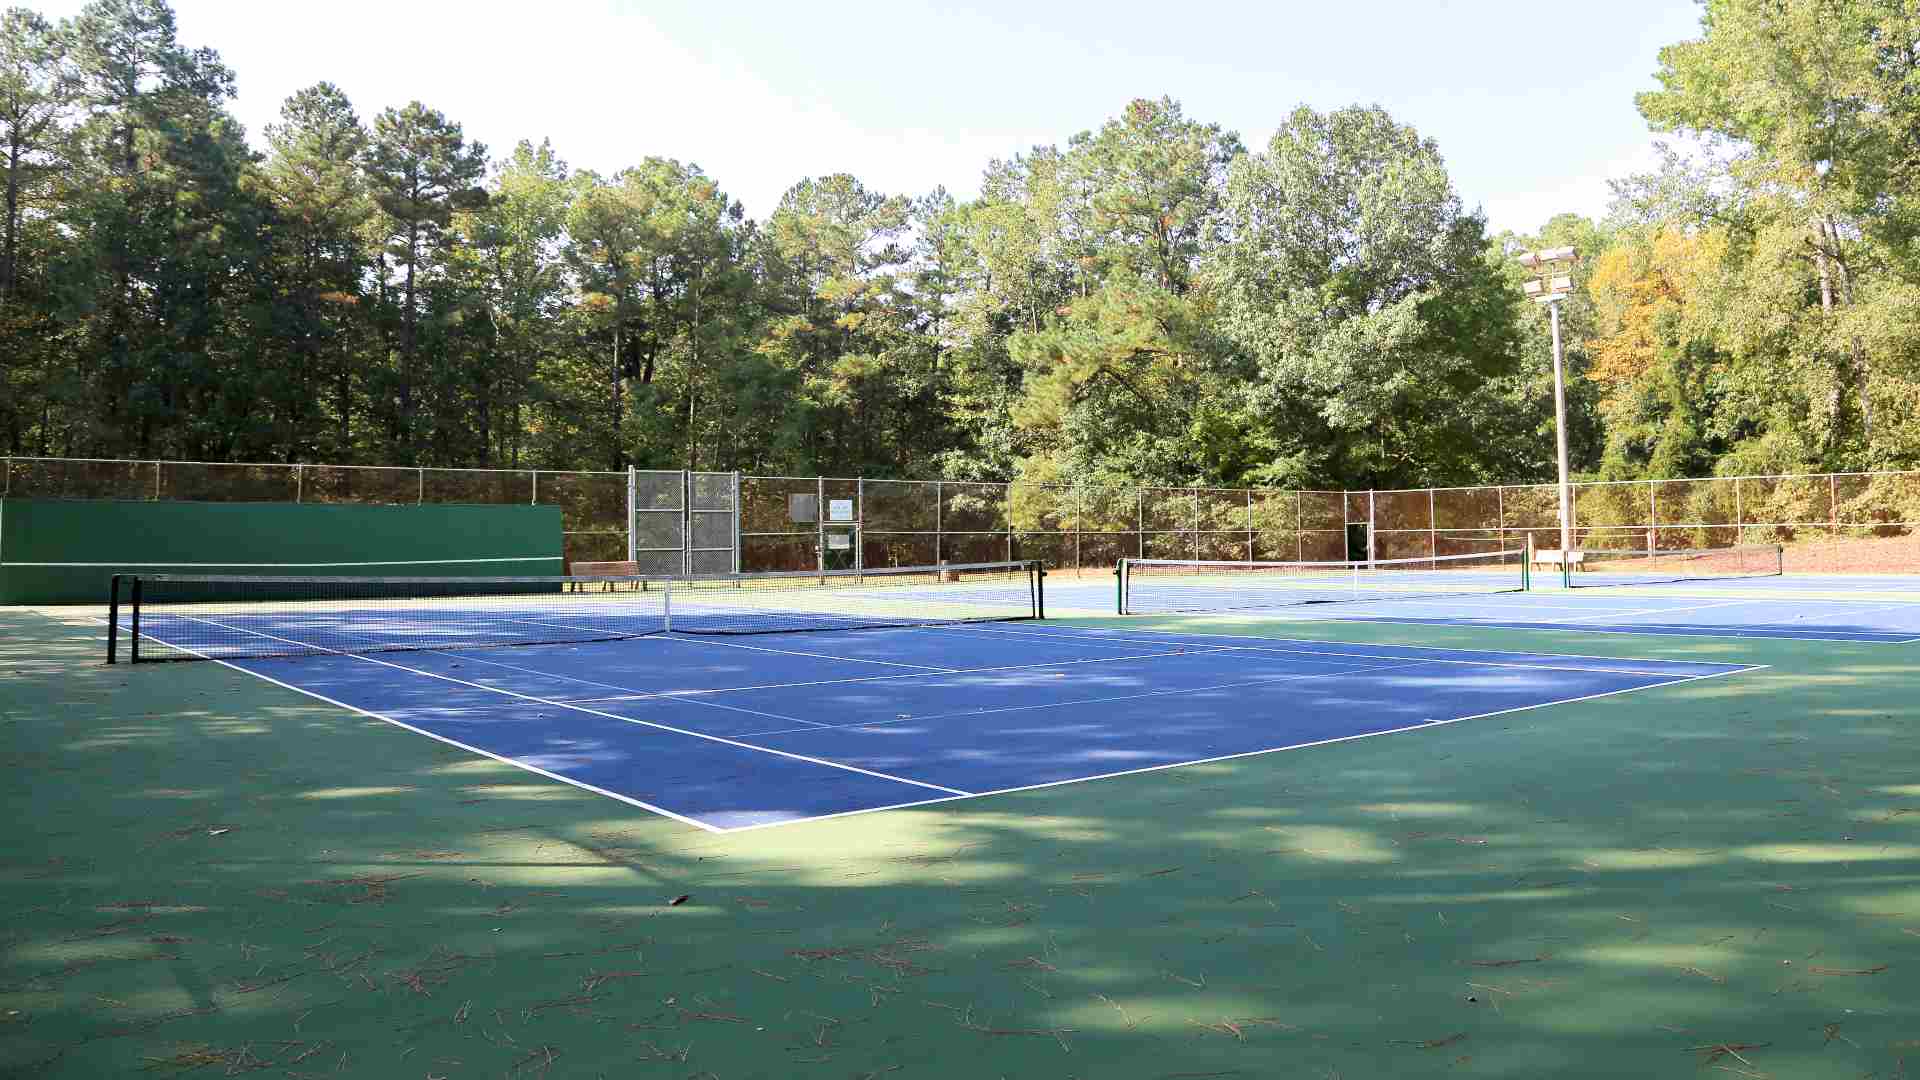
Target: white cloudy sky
[1532, 104]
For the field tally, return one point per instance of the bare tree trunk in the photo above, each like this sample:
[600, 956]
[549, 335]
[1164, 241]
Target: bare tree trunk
[1863, 367]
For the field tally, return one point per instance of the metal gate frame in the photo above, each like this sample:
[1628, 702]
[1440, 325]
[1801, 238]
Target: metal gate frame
[686, 517]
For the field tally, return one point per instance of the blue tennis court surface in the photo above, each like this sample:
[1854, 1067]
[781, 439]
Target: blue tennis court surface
[763, 730]
[1878, 609]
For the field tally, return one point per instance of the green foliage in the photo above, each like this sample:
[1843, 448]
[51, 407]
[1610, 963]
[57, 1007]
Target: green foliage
[1150, 302]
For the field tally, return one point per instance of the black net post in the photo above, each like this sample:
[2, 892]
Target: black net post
[133, 632]
[113, 618]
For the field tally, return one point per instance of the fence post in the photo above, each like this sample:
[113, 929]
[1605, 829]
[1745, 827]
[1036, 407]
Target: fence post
[1370, 528]
[686, 521]
[1653, 518]
[1739, 516]
[1140, 521]
[1433, 528]
[939, 537]
[736, 521]
[156, 481]
[859, 523]
[1500, 516]
[1076, 539]
[1194, 502]
[1009, 509]
[633, 505]
[1250, 525]
[1833, 517]
[1300, 526]
[820, 525]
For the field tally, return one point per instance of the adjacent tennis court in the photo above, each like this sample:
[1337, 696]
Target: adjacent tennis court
[1738, 593]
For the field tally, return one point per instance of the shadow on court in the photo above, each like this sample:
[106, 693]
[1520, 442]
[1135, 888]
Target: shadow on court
[206, 872]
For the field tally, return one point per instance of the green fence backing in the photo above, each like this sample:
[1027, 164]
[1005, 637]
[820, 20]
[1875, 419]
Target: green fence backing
[64, 551]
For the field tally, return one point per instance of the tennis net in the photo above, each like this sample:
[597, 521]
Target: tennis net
[1596, 569]
[176, 617]
[1154, 586]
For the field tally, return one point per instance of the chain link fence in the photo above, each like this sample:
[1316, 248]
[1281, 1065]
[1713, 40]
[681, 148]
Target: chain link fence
[805, 523]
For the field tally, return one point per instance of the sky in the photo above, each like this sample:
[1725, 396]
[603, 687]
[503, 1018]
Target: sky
[1530, 104]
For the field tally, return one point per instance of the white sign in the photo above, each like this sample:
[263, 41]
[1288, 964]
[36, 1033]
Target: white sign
[839, 509]
[839, 542]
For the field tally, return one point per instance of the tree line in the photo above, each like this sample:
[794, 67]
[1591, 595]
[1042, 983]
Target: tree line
[1153, 302]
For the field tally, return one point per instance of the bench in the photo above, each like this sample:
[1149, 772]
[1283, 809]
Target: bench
[604, 570]
[1555, 558]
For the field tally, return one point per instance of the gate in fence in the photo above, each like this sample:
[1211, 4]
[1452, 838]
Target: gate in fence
[683, 522]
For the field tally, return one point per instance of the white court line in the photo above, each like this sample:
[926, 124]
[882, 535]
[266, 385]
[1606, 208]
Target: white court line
[955, 795]
[1518, 621]
[1693, 630]
[1424, 659]
[590, 712]
[1664, 610]
[1264, 681]
[632, 693]
[469, 748]
[817, 656]
[663, 635]
[1422, 726]
[1907, 605]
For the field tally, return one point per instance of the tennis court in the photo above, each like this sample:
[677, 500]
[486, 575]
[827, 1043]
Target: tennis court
[1735, 593]
[753, 702]
[340, 837]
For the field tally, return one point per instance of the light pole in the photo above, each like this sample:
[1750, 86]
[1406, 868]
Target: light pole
[1551, 281]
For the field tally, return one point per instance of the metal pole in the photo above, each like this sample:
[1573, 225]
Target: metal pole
[535, 499]
[1008, 507]
[1433, 528]
[859, 523]
[736, 521]
[820, 522]
[1653, 517]
[939, 538]
[133, 632]
[1739, 516]
[633, 513]
[1194, 503]
[1370, 521]
[686, 521]
[113, 619]
[420, 495]
[299, 484]
[1560, 434]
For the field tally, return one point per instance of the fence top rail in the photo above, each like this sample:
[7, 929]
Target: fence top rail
[516, 471]
[1183, 488]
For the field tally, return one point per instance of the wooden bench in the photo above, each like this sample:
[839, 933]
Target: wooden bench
[1555, 558]
[603, 569]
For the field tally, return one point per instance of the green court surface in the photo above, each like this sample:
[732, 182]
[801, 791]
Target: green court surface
[206, 875]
